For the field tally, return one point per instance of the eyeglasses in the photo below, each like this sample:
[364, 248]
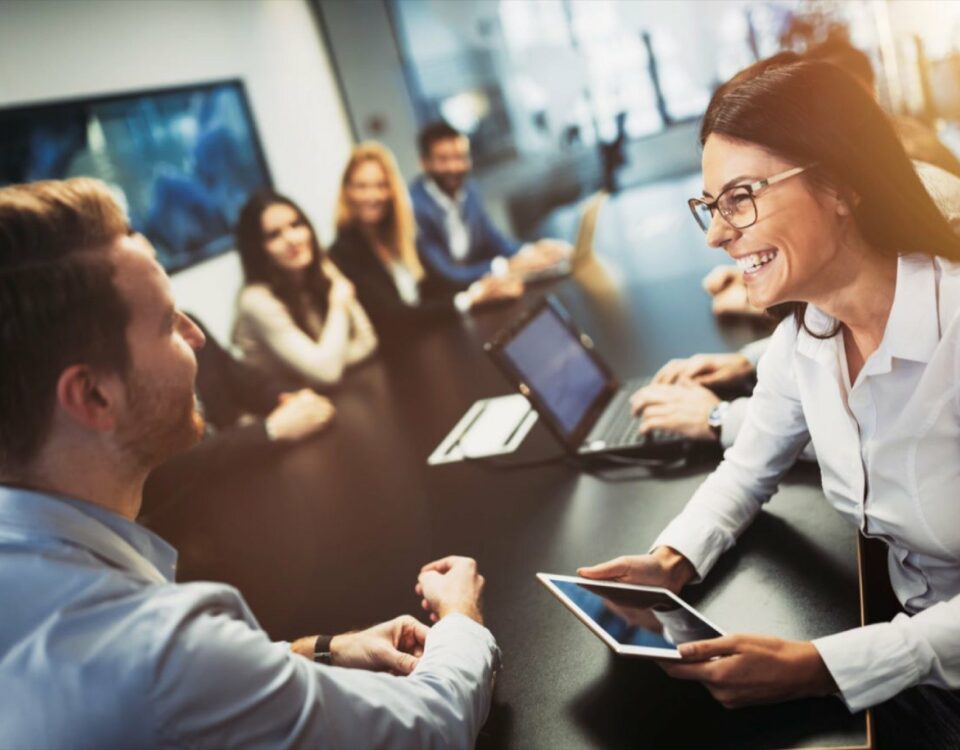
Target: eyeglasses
[738, 203]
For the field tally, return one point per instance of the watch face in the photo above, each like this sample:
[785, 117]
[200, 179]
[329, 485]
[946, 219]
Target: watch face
[715, 418]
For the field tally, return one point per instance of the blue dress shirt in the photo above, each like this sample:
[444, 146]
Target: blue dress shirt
[486, 241]
[100, 648]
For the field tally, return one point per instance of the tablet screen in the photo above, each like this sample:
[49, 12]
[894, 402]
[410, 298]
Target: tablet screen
[650, 619]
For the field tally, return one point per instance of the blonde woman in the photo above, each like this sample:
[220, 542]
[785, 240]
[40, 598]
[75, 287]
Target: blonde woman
[376, 249]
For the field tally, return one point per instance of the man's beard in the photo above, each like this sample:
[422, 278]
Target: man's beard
[450, 183]
[160, 422]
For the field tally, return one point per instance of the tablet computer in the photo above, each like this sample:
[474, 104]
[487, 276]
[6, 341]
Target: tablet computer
[645, 621]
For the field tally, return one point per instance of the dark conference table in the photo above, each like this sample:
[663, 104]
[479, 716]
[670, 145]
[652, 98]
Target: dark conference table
[330, 534]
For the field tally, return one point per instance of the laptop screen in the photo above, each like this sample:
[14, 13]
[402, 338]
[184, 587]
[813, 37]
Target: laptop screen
[556, 367]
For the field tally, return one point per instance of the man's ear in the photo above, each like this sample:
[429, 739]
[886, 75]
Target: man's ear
[89, 398]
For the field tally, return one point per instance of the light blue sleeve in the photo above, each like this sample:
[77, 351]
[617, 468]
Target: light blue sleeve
[220, 682]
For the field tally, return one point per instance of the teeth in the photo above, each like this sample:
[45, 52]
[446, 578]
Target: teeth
[752, 262]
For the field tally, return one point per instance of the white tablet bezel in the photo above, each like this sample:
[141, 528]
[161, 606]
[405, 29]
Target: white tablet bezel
[657, 653]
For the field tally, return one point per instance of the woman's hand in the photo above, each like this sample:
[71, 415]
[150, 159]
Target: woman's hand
[341, 292]
[298, 415]
[663, 567]
[705, 369]
[742, 670]
[676, 408]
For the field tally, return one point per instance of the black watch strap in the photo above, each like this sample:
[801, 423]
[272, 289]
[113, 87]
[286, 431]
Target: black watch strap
[321, 651]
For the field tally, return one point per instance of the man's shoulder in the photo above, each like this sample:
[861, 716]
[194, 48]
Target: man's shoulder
[122, 621]
[133, 653]
[423, 202]
[418, 184]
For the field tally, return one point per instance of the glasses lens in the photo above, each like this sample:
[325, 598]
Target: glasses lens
[701, 213]
[738, 207]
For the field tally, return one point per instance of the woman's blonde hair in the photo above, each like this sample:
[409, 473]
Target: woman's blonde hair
[399, 230]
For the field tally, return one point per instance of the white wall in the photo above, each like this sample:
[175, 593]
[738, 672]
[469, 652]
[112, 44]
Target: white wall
[51, 49]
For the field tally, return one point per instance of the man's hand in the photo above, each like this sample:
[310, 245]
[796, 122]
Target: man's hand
[741, 670]
[539, 256]
[663, 567]
[451, 585]
[678, 408]
[705, 369]
[394, 646]
[495, 289]
[298, 415]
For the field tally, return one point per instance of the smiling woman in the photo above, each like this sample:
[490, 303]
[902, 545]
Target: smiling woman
[782, 114]
[823, 212]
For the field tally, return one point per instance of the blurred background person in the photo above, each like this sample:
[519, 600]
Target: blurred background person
[376, 248]
[298, 319]
[456, 238]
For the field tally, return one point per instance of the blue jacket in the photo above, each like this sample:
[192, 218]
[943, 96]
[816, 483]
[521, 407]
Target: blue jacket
[486, 241]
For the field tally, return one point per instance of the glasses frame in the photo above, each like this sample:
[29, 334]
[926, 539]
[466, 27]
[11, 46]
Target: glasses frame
[752, 188]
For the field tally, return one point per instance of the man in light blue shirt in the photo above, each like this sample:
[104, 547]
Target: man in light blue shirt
[99, 647]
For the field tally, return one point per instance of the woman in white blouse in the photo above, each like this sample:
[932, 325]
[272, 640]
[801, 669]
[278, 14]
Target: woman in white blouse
[298, 318]
[807, 187]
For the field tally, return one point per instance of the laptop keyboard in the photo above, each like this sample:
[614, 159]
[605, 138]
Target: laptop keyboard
[618, 427]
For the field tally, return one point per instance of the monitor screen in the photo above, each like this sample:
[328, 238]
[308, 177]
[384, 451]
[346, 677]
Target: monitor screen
[651, 619]
[554, 364]
[181, 161]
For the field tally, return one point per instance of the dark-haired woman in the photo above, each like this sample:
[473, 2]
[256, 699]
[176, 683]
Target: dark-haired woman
[298, 319]
[808, 189]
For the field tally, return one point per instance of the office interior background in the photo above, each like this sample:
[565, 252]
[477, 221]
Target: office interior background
[550, 91]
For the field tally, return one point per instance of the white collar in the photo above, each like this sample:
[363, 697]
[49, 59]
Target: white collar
[913, 327]
[442, 198]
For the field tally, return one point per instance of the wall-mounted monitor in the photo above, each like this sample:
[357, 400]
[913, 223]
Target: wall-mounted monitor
[182, 160]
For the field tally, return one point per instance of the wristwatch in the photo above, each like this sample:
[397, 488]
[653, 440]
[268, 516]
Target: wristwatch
[321, 651]
[715, 417]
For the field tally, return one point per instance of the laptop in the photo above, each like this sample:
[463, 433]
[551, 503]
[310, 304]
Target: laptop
[574, 391]
[582, 246]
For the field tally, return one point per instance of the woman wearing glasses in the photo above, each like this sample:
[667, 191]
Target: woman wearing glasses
[808, 189]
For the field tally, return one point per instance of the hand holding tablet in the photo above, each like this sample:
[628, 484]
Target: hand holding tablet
[644, 621]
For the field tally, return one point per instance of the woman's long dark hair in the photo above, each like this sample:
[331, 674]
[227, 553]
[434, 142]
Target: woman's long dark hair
[259, 268]
[810, 112]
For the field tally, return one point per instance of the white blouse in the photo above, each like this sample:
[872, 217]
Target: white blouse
[406, 283]
[888, 445]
